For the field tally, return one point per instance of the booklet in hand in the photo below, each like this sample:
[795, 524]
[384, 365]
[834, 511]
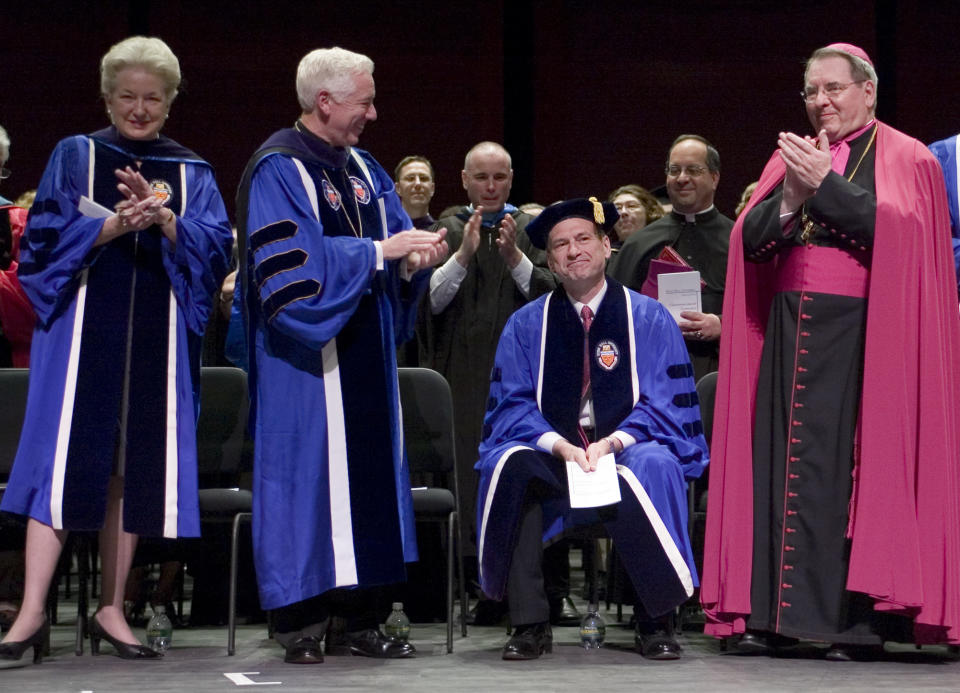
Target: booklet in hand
[596, 488]
[666, 262]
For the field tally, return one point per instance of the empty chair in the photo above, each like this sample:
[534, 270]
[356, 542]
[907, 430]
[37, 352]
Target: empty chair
[427, 409]
[221, 445]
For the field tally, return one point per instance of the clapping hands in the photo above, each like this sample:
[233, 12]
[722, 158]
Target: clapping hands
[141, 208]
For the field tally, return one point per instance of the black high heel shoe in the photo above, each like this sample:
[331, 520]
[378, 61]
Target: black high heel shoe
[13, 651]
[124, 649]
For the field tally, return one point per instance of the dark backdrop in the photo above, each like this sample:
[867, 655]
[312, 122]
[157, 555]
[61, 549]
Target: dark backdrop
[586, 95]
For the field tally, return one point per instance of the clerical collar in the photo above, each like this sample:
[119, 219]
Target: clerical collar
[860, 131]
[493, 218]
[320, 148]
[594, 302]
[698, 218]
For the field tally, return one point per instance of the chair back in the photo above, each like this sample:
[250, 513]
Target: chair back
[221, 428]
[427, 412]
[427, 421]
[13, 406]
[707, 394]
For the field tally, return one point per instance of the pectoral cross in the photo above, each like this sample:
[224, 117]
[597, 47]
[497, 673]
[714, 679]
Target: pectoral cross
[808, 228]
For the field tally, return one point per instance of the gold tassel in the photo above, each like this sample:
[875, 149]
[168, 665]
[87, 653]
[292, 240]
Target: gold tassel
[597, 211]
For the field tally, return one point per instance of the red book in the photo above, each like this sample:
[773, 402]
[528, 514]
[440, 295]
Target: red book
[668, 260]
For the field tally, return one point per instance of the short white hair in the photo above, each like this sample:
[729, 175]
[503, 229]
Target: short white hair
[148, 52]
[329, 69]
[4, 146]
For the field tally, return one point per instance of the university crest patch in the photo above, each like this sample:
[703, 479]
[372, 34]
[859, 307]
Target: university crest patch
[331, 194]
[607, 354]
[161, 190]
[361, 190]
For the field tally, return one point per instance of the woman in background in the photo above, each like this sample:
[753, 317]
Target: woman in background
[637, 208]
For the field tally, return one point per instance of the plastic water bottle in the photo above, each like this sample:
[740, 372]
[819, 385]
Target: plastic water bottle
[397, 626]
[592, 629]
[159, 630]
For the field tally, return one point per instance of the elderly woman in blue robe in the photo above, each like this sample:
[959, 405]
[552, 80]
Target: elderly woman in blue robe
[125, 245]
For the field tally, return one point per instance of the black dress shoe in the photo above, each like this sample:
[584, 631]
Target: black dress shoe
[304, 650]
[124, 650]
[655, 640]
[373, 643]
[529, 642]
[12, 652]
[660, 645]
[853, 653]
[754, 643]
[564, 613]
[838, 653]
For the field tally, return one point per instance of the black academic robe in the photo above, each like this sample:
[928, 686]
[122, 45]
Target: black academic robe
[703, 243]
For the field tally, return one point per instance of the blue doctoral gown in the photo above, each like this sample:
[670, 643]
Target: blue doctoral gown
[642, 388]
[114, 380]
[332, 503]
[947, 154]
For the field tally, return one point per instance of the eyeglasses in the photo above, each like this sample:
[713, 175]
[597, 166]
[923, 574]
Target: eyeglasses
[4, 173]
[620, 206]
[693, 171]
[832, 90]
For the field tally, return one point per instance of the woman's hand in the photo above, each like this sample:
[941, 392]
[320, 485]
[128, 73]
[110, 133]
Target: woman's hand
[142, 208]
[133, 184]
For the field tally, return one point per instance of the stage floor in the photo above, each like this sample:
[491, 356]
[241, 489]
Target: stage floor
[198, 662]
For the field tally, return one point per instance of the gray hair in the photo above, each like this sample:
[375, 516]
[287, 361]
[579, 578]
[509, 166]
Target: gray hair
[148, 52]
[4, 146]
[329, 69]
[860, 69]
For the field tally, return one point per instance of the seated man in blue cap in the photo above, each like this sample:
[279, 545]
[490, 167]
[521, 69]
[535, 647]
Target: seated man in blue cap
[589, 369]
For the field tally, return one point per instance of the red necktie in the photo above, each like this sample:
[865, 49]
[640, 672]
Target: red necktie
[586, 315]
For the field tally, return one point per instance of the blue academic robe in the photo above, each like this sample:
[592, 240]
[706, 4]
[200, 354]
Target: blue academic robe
[642, 386]
[115, 354]
[332, 503]
[949, 158]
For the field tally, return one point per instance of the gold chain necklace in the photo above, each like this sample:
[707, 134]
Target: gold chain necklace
[343, 205]
[299, 127]
[808, 225]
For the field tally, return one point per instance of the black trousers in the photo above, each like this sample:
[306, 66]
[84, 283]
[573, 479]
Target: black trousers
[556, 571]
[526, 596]
[361, 608]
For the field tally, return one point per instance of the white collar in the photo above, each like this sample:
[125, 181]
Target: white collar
[692, 218]
[594, 302]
